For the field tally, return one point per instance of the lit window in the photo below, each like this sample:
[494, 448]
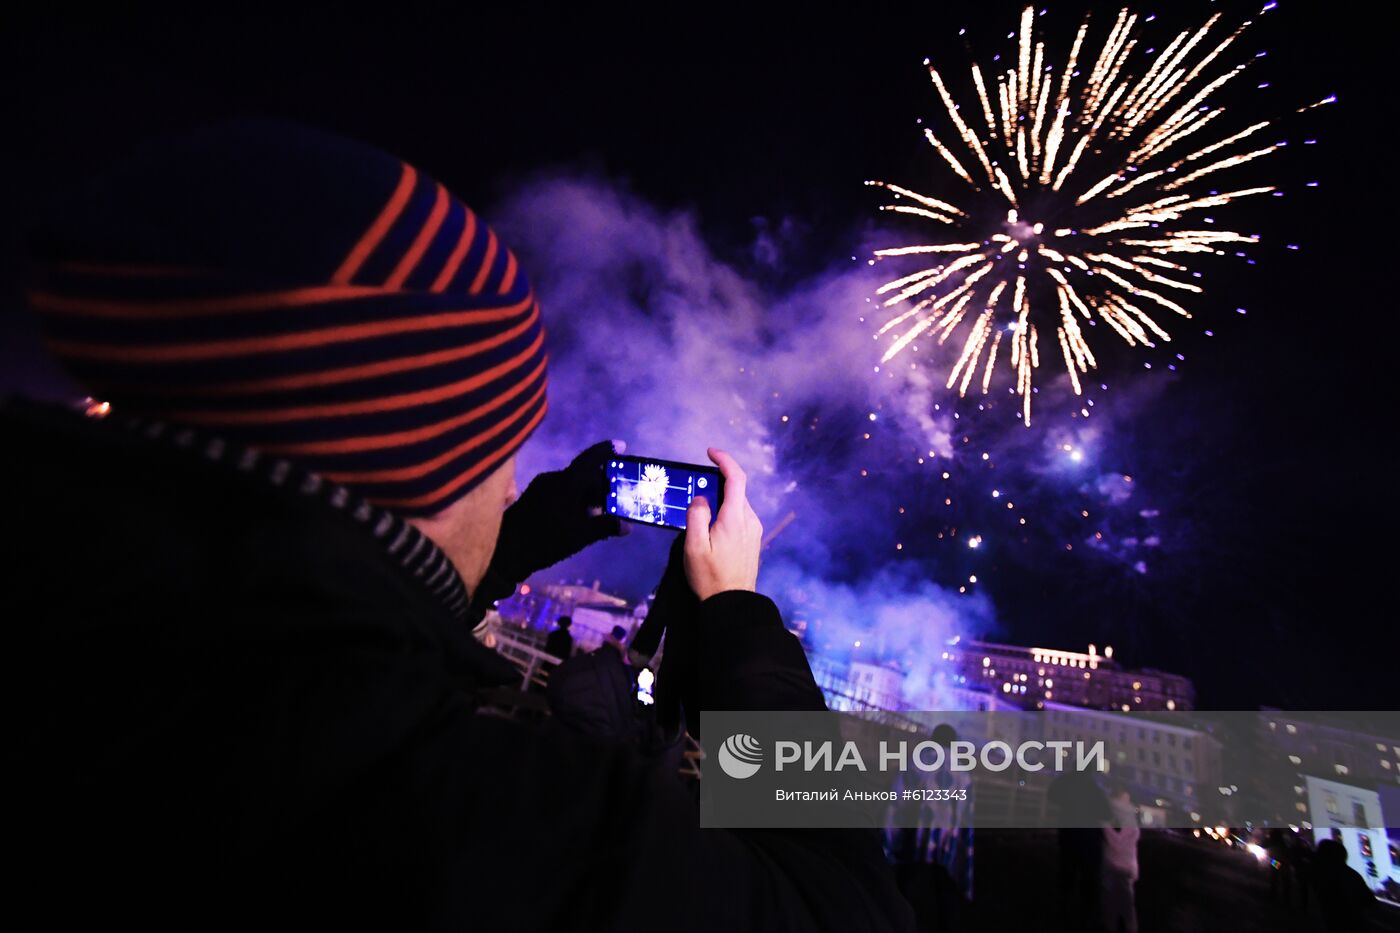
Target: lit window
[1290, 728]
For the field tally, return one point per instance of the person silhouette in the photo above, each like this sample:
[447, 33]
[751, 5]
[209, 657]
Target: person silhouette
[1342, 893]
[559, 642]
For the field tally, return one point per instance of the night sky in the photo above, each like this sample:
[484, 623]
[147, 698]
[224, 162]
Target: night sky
[1268, 450]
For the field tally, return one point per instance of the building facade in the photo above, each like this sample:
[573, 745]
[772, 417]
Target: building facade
[1037, 676]
[1166, 765]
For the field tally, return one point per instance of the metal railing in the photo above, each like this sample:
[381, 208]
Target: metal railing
[534, 662]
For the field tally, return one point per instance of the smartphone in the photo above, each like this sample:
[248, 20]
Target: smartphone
[658, 492]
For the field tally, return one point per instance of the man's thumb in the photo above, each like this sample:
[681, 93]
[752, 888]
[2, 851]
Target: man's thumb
[697, 526]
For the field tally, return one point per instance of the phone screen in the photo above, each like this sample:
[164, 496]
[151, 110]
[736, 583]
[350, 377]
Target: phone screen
[658, 492]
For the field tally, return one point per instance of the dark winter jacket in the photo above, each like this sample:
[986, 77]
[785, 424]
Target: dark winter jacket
[235, 696]
[594, 694]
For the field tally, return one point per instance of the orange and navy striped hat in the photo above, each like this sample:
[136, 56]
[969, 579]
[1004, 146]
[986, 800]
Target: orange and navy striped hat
[305, 295]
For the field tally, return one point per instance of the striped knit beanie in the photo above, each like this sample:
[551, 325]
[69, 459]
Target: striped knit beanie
[305, 295]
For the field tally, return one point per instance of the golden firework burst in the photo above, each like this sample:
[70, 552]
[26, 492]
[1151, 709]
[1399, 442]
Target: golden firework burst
[1087, 185]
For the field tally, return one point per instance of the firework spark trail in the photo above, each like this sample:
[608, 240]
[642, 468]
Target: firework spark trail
[1112, 253]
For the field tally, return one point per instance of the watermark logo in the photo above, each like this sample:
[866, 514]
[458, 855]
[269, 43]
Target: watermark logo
[740, 756]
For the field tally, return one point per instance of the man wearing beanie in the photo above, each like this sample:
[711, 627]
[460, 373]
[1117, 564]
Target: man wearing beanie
[239, 673]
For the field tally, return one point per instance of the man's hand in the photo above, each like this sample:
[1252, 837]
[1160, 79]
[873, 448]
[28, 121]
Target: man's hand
[559, 514]
[724, 556]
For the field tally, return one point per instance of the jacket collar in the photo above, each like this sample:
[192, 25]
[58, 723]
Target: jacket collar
[402, 543]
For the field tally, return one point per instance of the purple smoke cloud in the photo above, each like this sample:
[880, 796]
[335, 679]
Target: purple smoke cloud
[655, 340]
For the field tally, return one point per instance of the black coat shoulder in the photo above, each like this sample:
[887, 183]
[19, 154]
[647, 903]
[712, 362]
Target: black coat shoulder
[223, 703]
